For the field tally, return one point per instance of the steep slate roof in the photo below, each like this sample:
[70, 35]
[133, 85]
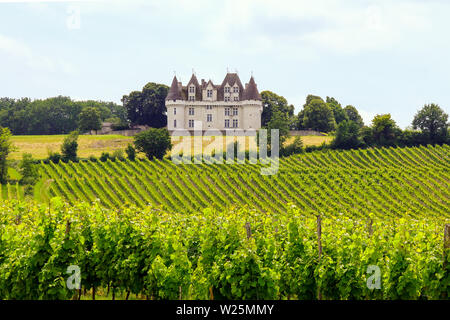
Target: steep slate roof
[251, 91]
[231, 79]
[179, 92]
[198, 88]
[174, 91]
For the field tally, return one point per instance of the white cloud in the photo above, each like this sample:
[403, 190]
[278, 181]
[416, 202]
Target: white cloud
[22, 52]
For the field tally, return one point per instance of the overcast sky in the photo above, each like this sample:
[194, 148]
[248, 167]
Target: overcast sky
[386, 56]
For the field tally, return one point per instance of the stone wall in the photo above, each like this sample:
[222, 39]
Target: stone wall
[306, 133]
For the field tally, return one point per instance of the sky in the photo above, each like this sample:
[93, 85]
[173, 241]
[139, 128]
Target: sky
[384, 56]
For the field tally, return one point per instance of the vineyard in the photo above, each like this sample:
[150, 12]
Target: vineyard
[362, 224]
[386, 182]
[238, 254]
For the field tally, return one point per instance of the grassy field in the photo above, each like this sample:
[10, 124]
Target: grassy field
[88, 145]
[39, 146]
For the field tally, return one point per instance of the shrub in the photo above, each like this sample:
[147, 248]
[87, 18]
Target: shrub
[54, 157]
[105, 156]
[28, 170]
[131, 152]
[295, 147]
[69, 147]
[153, 142]
[92, 158]
[118, 154]
[347, 136]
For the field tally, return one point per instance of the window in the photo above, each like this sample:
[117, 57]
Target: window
[209, 93]
[174, 123]
[227, 123]
[209, 118]
[191, 89]
[236, 89]
[174, 110]
[236, 98]
[208, 107]
[191, 98]
[235, 111]
[235, 123]
[191, 123]
[227, 89]
[227, 111]
[191, 111]
[227, 98]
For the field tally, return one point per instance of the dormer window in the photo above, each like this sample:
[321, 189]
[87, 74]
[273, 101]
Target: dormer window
[209, 93]
[236, 89]
[191, 98]
[236, 98]
[227, 99]
[227, 89]
[191, 89]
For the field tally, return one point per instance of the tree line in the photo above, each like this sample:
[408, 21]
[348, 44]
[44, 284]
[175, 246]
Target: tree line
[430, 124]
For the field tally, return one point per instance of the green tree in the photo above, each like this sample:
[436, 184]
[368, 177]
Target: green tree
[309, 98]
[432, 121]
[153, 142]
[318, 116]
[338, 112]
[347, 135]
[353, 115]
[90, 119]
[28, 170]
[69, 147]
[280, 121]
[272, 102]
[131, 152]
[384, 130]
[147, 107]
[6, 147]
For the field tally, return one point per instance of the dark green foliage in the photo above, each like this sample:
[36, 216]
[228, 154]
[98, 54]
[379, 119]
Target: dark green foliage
[69, 147]
[28, 170]
[318, 116]
[131, 152]
[353, 115]
[54, 157]
[271, 103]
[293, 148]
[347, 136]
[278, 121]
[105, 156]
[58, 115]
[153, 142]
[6, 148]
[432, 121]
[338, 112]
[147, 107]
[384, 130]
[89, 119]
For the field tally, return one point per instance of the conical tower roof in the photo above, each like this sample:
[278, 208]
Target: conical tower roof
[251, 91]
[174, 91]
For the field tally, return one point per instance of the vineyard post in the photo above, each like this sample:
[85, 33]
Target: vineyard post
[249, 230]
[446, 243]
[370, 227]
[319, 242]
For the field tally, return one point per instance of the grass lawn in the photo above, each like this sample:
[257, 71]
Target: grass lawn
[88, 145]
[312, 140]
[94, 145]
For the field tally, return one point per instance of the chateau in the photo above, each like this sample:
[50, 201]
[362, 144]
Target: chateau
[205, 105]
